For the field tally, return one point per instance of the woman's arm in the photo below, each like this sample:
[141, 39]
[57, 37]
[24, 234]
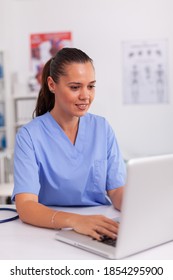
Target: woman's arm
[116, 196]
[32, 212]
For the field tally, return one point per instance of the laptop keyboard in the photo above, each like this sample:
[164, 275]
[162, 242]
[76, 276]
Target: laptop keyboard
[109, 241]
[106, 239]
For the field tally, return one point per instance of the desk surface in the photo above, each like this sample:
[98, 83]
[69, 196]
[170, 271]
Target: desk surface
[21, 241]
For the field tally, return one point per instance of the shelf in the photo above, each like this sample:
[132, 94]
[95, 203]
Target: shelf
[32, 95]
[24, 106]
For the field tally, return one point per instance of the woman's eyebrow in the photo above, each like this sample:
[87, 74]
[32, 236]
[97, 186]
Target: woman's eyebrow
[79, 83]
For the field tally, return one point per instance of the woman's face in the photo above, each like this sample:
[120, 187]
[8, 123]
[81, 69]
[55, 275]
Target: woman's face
[75, 91]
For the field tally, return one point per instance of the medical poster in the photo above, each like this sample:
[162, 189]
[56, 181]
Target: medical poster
[43, 47]
[145, 72]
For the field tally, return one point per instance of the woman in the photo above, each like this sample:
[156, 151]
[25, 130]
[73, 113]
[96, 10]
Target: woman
[66, 156]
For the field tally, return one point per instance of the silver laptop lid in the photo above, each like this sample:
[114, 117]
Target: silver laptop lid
[147, 212]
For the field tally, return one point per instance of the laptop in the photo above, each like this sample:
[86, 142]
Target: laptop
[146, 219]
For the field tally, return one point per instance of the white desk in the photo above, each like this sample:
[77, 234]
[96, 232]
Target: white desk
[19, 241]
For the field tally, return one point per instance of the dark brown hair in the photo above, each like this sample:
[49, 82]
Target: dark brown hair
[55, 67]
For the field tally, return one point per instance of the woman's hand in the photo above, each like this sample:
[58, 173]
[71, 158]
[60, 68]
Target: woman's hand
[32, 212]
[95, 226]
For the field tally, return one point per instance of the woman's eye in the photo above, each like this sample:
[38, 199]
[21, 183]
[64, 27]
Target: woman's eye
[74, 87]
[91, 86]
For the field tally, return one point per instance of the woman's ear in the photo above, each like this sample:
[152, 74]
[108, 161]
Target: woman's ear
[51, 84]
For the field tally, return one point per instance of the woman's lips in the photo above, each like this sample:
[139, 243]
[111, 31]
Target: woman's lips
[82, 106]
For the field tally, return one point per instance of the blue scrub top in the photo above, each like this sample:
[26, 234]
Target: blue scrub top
[47, 164]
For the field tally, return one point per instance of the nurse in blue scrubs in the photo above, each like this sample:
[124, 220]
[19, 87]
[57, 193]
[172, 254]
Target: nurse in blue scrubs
[66, 156]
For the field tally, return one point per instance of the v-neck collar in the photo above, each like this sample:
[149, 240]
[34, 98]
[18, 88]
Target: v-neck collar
[80, 137]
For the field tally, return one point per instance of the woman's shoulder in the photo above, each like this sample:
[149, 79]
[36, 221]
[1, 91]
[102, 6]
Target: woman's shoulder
[34, 125]
[100, 123]
[95, 118]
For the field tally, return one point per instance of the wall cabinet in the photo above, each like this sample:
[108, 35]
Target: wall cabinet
[24, 106]
[16, 106]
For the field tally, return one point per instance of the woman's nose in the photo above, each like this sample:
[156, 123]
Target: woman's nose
[84, 94]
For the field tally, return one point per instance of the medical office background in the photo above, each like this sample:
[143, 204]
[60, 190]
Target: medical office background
[116, 34]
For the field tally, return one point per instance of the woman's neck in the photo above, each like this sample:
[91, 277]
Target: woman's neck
[69, 125]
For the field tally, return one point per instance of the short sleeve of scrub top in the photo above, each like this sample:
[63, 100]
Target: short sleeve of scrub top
[47, 164]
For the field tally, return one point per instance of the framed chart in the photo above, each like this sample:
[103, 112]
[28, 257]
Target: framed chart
[145, 72]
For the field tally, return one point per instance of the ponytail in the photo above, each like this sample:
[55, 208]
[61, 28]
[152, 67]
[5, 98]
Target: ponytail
[46, 99]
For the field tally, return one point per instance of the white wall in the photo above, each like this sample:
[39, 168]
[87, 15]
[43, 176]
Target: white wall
[99, 27]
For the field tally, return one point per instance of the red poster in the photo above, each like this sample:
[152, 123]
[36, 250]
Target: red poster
[43, 47]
